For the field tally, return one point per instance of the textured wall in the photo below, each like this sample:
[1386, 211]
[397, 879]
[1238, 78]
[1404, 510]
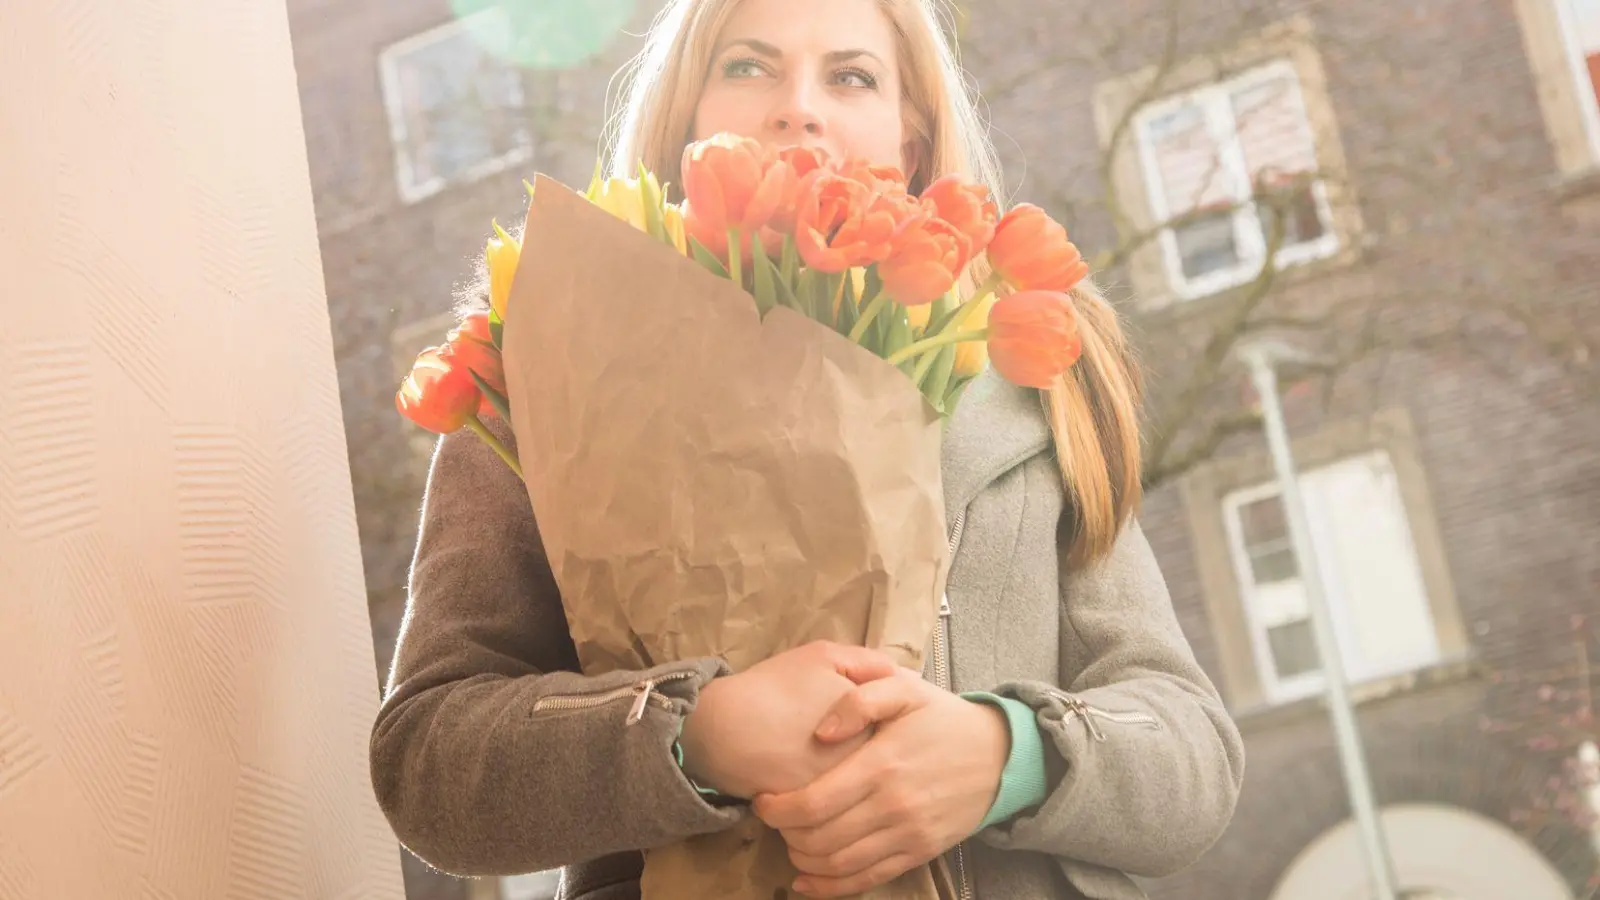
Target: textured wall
[185, 661]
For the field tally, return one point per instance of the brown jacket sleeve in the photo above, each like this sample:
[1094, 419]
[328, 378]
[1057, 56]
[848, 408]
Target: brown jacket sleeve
[490, 754]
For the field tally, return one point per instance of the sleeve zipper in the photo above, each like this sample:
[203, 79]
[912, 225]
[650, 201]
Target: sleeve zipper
[643, 694]
[1078, 707]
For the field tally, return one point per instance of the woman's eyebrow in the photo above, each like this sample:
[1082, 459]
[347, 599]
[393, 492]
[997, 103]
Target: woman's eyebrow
[761, 48]
[844, 56]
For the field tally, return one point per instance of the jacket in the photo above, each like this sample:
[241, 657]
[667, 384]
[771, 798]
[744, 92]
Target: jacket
[491, 755]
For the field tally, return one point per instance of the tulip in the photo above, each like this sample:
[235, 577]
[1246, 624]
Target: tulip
[1030, 251]
[972, 355]
[672, 219]
[800, 166]
[880, 179]
[438, 394]
[966, 206]
[843, 225]
[470, 346]
[501, 256]
[1033, 337]
[924, 262]
[732, 190]
[623, 198]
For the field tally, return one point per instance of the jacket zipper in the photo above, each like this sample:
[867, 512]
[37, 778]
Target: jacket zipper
[643, 693]
[942, 677]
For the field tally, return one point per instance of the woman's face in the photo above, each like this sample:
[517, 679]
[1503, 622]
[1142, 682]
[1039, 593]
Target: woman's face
[821, 73]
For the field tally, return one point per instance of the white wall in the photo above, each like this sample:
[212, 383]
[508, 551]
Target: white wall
[186, 676]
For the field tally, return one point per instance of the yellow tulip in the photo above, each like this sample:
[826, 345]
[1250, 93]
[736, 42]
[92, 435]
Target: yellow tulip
[971, 356]
[623, 198]
[918, 316]
[672, 218]
[501, 256]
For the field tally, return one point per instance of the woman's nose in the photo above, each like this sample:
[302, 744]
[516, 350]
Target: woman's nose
[796, 116]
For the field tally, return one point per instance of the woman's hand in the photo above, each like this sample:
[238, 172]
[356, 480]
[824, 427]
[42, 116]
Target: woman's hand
[921, 784]
[753, 732]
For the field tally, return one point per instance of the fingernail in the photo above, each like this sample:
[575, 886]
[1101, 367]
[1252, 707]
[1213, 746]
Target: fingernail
[829, 726]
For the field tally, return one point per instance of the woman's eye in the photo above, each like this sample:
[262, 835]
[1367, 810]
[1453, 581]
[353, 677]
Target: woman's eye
[742, 68]
[856, 78]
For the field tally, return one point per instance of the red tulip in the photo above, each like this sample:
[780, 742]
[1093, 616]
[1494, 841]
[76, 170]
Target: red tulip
[1031, 252]
[731, 185]
[968, 207]
[1033, 337]
[438, 394]
[843, 225]
[470, 345]
[924, 261]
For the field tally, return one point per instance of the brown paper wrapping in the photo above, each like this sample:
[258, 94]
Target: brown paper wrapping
[709, 483]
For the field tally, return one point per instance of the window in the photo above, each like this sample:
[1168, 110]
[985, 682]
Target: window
[1221, 165]
[1370, 571]
[1580, 28]
[537, 886]
[456, 112]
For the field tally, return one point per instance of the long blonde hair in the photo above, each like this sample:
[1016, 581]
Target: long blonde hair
[1094, 410]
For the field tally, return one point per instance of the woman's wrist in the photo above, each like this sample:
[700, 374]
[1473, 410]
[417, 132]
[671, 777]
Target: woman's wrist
[1024, 781]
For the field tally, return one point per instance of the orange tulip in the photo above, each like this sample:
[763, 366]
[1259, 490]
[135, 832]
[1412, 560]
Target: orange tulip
[968, 207]
[842, 224]
[924, 261]
[1033, 337]
[731, 185]
[881, 179]
[1031, 252]
[470, 345]
[438, 394]
[801, 166]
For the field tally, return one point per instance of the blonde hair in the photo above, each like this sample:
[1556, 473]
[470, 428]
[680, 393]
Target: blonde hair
[1094, 410]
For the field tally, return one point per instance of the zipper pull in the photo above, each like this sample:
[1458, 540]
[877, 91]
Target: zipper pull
[636, 712]
[944, 606]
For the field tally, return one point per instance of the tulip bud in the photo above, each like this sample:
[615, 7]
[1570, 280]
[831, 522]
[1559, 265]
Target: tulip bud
[1033, 337]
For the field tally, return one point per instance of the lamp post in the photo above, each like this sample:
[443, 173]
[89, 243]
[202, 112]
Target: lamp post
[1261, 358]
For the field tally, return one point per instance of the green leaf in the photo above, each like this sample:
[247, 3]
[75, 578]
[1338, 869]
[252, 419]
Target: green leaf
[496, 399]
[874, 285]
[707, 258]
[764, 291]
[497, 330]
[849, 307]
[939, 377]
[594, 184]
[790, 266]
[953, 394]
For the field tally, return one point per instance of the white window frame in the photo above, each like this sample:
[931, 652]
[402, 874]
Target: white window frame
[411, 189]
[1249, 235]
[1298, 687]
[1588, 102]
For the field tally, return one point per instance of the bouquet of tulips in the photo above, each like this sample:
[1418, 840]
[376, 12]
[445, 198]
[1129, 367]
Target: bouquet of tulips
[728, 413]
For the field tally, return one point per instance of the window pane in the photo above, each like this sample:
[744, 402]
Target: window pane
[1302, 215]
[1207, 245]
[1189, 169]
[1294, 648]
[460, 107]
[1374, 581]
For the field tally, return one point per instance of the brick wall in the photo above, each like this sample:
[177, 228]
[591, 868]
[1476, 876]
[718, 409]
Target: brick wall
[1456, 186]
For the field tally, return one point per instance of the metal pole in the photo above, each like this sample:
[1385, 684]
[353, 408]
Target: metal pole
[1358, 785]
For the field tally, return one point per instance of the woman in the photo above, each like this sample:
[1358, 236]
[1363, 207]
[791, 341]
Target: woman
[1088, 744]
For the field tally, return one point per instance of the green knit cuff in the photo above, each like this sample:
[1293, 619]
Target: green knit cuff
[1024, 782]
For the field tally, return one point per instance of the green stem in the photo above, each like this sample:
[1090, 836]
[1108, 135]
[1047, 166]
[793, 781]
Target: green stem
[482, 431]
[736, 256]
[989, 286]
[868, 314]
[938, 340]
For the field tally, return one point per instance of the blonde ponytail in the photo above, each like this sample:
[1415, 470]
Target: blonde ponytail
[1094, 418]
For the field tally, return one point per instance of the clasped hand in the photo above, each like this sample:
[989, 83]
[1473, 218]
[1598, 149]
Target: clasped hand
[867, 770]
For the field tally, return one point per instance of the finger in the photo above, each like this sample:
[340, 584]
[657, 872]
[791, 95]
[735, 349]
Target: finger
[881, 873]
[861, 664]
[849, 859]
[823, 800]
[851, 826]
[868, 704]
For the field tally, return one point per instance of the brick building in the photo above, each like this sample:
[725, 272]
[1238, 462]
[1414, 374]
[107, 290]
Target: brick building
[1410, 192]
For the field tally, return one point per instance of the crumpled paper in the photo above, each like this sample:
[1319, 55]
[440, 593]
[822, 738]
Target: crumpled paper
[707, 483]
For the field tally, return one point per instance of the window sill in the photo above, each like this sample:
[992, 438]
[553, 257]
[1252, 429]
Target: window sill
[1271, 715]
[1171, 305]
